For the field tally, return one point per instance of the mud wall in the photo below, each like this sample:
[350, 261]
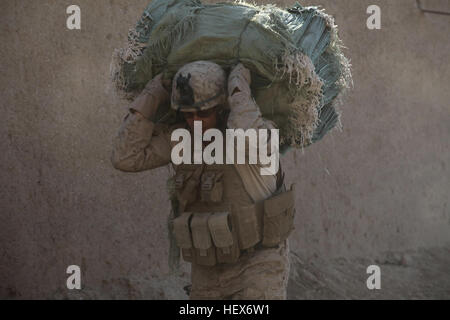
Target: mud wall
[382, 183]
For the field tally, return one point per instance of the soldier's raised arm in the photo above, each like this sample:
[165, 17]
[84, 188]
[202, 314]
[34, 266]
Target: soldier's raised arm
[245, 113]
[140, 144]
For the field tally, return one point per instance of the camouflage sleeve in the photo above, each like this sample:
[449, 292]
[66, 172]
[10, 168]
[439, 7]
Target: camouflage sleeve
[244, 111]
[140, 145]
[245, 114]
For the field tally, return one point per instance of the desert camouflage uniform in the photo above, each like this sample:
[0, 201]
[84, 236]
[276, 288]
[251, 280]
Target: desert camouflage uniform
[142, 145]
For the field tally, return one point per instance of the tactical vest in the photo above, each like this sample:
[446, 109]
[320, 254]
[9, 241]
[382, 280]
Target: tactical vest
[219, 221]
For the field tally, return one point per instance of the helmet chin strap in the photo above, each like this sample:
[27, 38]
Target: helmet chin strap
[178, 112]
[199, 104]
[222, 118]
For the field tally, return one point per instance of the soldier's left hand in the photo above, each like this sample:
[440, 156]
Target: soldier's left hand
[239, 80]
[156, 88]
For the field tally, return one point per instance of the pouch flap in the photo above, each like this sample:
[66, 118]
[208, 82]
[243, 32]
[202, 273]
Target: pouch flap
[200, 231]
[279, 203]
[182, 232]
[209, 178]
[220, 229]
[181, 177]
[249, 225]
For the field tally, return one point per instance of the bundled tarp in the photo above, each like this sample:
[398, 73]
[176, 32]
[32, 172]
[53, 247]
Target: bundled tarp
[294, 55]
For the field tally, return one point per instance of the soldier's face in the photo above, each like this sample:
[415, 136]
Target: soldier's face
[207, 117]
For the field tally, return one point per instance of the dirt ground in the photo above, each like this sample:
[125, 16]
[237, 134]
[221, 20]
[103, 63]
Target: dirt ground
[417, 274]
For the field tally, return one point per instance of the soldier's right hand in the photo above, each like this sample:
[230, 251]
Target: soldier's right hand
[154, 95]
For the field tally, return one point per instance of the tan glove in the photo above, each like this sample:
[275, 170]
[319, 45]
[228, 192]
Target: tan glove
[239, 80]
[244, 111]
[153, 95]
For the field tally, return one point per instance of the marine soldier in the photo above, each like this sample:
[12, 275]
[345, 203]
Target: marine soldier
[231, 222]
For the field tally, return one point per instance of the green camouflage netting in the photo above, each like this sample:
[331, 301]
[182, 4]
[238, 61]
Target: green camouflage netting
[294, 54]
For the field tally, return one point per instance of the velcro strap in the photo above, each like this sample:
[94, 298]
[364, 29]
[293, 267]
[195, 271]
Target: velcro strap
[200, 232]
[220, 230]
[182, 232]
[180, 179]
[208, 179]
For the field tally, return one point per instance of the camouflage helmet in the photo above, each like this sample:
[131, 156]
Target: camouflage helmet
[198, 85]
